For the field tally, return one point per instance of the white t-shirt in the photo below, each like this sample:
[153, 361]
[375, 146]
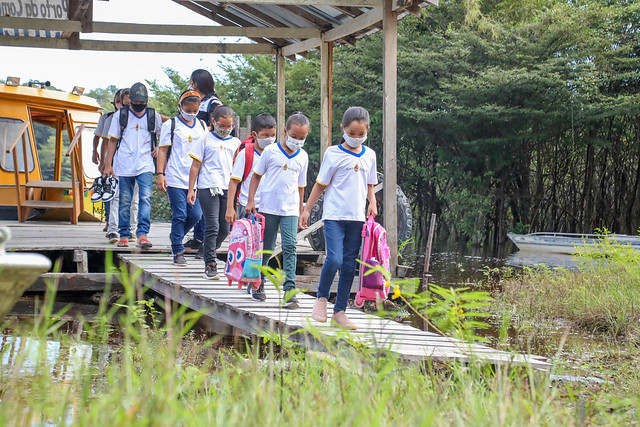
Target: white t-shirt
[347, 176]
[282, 176]
[184, 138]
[238, 171]
[216, 155]
[100, 128]
[134, 154]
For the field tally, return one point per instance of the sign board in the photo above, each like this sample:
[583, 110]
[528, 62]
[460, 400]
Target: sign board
[40, 9]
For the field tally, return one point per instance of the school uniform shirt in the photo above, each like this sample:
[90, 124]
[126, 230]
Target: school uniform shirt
[216, 155]
[347, 176]
[207, 106]
[100, 128]
[238, 171]
[282, 176]
[184, 138]
[134, 154]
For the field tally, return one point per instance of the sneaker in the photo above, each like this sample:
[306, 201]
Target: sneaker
[180, 260]
[200, 254]
[340, 320]
[109, 187]
[113, 237]
[192, 245]
[257, 294]
[290, 302]
[211, 272]
[319, 313]
[143, 242]
[97, 189]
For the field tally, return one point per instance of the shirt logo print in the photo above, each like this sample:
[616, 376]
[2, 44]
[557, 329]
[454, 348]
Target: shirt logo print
[221, 147]
[285, 167]
[190, 139]
[137, 128]
[356, 168]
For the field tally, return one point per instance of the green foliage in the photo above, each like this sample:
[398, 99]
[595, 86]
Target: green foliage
[165, 97]
[104, 96]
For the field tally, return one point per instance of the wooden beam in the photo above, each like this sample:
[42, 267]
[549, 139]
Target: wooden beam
[164, 30]
[302, 46]
[389, 121]
[356, 24]
[352, 3]
[326, 71]
[124, 46]
[280, 93]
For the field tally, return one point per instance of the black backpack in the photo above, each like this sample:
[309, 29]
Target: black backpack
[151, 125]
[173, 129]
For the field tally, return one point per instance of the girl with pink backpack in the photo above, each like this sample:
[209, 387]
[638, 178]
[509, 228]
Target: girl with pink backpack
[348, 173]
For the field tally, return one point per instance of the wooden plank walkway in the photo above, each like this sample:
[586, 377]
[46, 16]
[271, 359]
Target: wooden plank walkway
[216, 300]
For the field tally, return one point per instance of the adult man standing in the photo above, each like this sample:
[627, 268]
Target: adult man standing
[133, 134]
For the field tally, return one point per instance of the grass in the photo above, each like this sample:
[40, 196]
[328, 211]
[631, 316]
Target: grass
[601, 297]
[157, 372]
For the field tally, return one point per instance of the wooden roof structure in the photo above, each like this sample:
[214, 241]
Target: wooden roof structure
[283, 28]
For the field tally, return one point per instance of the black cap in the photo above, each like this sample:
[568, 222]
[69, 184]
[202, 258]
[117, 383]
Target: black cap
[138, 93]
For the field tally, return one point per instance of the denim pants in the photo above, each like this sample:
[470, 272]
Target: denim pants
[216, 227]
[288, 229]
[183, 216]
[126, 185]
[342, 240]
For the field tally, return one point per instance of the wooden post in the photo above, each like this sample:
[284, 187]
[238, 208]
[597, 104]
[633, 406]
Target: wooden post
[16, 173]
[326, 78]
[280, 94]
[25, 154]
[390, 78]
[57, 168]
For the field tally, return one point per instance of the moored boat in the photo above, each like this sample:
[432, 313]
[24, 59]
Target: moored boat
[567, 243]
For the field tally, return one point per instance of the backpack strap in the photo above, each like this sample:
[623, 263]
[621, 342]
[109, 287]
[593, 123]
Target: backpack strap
[151, 127]
[249, 154]
[123, 119]
[173, 131]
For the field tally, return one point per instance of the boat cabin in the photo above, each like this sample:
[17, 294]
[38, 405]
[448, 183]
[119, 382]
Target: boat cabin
[51, 133]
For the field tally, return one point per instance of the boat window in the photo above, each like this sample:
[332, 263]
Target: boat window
[9, 128]
[46, 145]
[90, 169]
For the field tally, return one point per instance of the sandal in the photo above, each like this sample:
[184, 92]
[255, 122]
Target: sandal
[123, 243]
[144, 243]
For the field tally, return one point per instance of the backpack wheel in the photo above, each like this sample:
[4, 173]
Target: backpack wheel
[358, 302]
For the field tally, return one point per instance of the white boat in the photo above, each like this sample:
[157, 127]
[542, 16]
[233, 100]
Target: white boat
[566, 243]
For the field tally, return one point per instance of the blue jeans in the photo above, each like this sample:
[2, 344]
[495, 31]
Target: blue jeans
[198, 230]
[126, 183]
[183, 216]
[342, 240]
[288, 229]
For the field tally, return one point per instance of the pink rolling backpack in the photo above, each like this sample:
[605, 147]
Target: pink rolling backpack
[245, 241]
[375, 252]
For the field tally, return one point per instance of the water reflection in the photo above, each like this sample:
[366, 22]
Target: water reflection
[533, 259]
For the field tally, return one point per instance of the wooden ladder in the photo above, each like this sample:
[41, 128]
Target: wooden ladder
[26, 203]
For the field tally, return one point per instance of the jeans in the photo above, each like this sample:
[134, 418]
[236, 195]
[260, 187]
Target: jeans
[115, 211]
[342, 240]
[216, 227]
[127, 184]
[198, 230]
[183, 216]
[288, 229]
[107, 207]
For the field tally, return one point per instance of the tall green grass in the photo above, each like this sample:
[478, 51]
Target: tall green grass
[158, 373]
[602, 296]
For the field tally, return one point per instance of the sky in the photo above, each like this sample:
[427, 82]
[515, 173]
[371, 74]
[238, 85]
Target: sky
[91, 69]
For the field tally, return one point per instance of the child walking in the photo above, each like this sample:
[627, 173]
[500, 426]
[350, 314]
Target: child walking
[282, 176]
[263, 134]
[348, 172]
[180, 134]
[211, 166]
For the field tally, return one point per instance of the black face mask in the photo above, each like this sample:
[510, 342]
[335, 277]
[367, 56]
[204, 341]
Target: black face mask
[138, 108]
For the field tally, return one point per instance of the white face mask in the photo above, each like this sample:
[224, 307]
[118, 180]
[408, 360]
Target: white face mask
[188, 116]
[354, 142]
[294, 144]
[263, 142]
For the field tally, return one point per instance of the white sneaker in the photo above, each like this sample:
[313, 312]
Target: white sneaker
[97, 189]
[109, 188]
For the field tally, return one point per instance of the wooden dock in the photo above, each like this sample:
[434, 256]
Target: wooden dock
[233, 307]
[228, 310]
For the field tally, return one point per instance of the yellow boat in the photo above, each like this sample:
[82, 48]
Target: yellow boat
[51, 132]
